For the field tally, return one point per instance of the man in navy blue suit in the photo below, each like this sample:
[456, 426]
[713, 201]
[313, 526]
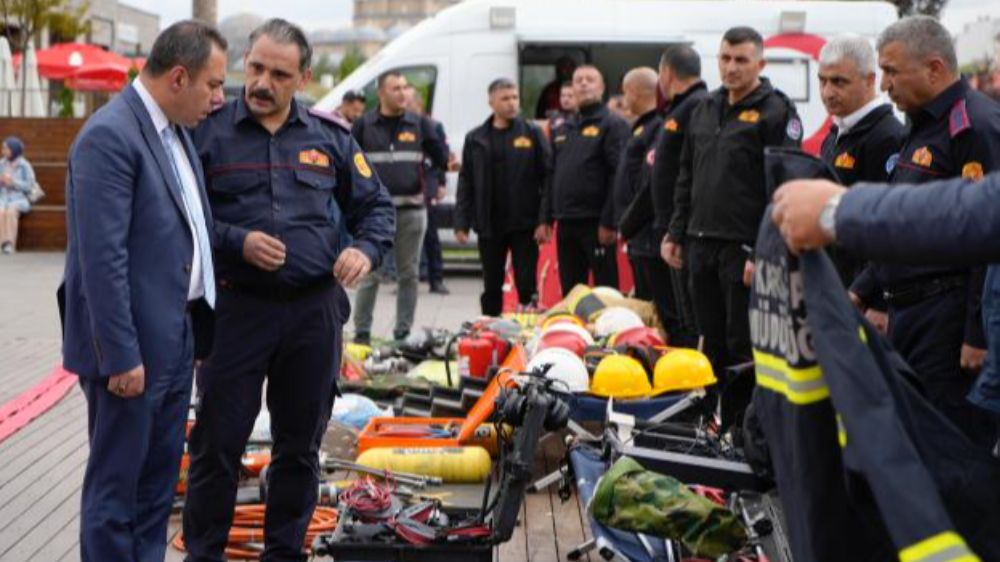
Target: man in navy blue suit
[139, 288]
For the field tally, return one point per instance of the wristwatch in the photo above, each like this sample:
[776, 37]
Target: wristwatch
[828, 217]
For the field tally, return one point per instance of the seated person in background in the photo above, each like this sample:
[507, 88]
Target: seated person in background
[16, 181]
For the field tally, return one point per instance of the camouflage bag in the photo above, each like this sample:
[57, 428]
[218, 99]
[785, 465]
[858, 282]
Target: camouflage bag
[631, 498]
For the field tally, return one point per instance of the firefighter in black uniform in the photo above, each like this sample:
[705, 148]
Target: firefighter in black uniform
[863, 144]
[275, 173]
[935, 318]
[631, 178]
[680, 82]
[502, 188]
[720, 193]
[398, 143]
[586, 149]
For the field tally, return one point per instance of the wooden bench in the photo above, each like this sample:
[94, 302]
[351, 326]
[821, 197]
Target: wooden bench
[47, 143]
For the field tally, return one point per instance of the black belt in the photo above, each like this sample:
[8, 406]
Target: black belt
[276, 293]
[923, 289]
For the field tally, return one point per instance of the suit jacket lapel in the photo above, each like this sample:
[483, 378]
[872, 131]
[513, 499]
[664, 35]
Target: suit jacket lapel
[155, 144]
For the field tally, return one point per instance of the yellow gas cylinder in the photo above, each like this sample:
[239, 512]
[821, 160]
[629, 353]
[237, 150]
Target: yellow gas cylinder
[456, 465]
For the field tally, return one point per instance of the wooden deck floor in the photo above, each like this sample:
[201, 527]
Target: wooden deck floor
[42, 465]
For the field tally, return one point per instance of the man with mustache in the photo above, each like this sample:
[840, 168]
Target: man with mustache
[284, 183]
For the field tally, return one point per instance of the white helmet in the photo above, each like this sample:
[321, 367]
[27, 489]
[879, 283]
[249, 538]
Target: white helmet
[571, 328]
[615, 319]
[567, 369]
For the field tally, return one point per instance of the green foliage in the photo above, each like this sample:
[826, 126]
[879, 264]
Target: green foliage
[65, 102]
[351, 61]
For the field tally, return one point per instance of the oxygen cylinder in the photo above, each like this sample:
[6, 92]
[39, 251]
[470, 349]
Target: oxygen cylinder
[474, 356]
[457, 465]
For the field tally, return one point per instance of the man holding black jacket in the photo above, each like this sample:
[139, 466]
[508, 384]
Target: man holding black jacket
[502, 189]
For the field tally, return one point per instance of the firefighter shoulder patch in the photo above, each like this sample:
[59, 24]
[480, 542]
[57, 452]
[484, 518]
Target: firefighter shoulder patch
[362, 165]
[922, 157]
[972, 171]
[890, 163]
[591, 131]
[522, 142]
[749, 116]
[314, 157]
[794, 129]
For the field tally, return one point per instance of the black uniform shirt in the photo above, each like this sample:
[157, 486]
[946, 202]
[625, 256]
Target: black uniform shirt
[502, 192]
[289, 185]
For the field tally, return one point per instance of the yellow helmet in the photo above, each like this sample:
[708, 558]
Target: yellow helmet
[682, 369]
[560, 318]
[620, 376]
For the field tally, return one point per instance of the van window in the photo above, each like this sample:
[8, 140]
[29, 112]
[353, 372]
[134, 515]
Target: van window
[791, 76]
[423, 78]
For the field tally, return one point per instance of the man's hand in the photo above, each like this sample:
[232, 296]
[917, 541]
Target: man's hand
[128, 384]
[462, 236]
[441, 192]
[878, 319]
[352, 265]
[543, 233]
[606, 236]
[972, 358]
[856, 300]
[748, 273]
[672, 253]
[797, 207]
[453, 164]
[263, 251]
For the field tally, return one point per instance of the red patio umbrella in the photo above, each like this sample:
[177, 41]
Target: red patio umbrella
[63, 60]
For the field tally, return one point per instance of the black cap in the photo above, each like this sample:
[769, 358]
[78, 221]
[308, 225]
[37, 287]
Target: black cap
[353, 95]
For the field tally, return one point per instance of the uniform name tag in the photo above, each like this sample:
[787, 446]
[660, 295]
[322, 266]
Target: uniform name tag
[749, 116]
[407, 136]
[522, 142]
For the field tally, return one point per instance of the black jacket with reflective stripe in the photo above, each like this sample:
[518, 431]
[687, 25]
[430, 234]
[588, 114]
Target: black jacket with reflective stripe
[398, 153]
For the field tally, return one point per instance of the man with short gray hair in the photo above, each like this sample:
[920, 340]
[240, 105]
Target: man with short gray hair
[863, 142]
[935, 320]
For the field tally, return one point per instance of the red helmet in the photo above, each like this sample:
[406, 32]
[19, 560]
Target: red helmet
[639, 336]
[563, 339]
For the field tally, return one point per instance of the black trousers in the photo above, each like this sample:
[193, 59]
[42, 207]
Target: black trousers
[720, 299]
[656, 282]
[524, 257]
[929, 335]
[431, 258]
[295, 345]
[580, 253]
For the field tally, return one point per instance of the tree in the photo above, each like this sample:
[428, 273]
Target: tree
[33, 16]
[352, 60]
[925, 7]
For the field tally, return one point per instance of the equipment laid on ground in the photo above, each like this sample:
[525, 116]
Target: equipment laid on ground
[615, 319]
[450, 464]
[376, 523]
[562, 366]
[682, 369]
[620, 376]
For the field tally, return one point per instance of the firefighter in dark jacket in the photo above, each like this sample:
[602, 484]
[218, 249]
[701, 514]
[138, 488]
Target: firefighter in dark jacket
[680, 82]
[934, 311]
[398, 142]
[586, 149]
[502, 189]
[632, 177]
[720, 194]
[863, 144]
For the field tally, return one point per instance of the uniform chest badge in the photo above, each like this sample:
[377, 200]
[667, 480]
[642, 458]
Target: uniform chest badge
[314, 158]
[922, 157]
[845, 161]
[522, 142]
[651, 157]
[362, 165]
[749, 116]
[972, 171]
[591, 131]
[406, 136]
[638, 131]
[671, 125]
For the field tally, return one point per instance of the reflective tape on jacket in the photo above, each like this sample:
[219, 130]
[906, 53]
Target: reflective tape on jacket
[798, 385]
[943, 547]
[395, 156]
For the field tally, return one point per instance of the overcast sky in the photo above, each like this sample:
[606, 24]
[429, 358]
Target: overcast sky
[331, 14]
